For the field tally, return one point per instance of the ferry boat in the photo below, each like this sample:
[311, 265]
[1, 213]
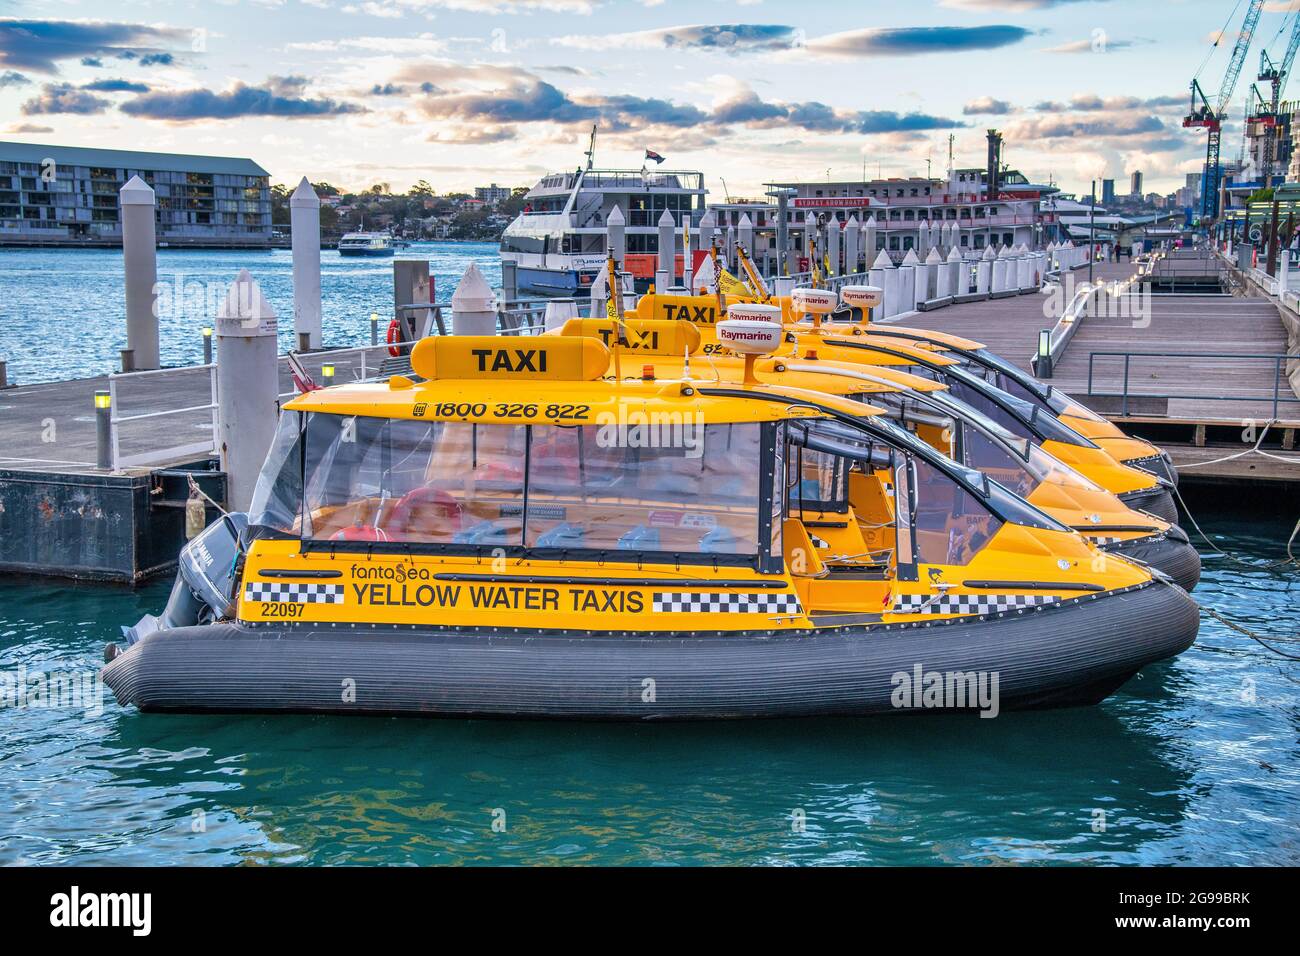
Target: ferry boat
[943, 421]
[518, 535]
[366, 244]
[558, 241]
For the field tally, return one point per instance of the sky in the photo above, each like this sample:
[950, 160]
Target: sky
[465, 92]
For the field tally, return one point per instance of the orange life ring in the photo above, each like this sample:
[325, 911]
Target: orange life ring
[394, 337]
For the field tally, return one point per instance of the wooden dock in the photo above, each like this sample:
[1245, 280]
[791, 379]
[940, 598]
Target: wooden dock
[1197, 373]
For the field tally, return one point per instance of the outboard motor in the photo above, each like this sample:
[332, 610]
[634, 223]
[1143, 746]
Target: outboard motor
[206, 578]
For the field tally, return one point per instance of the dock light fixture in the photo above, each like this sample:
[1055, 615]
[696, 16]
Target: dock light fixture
[207, 345]
[103, 429]
[1043, 360]
[327, 373]
[374, 328]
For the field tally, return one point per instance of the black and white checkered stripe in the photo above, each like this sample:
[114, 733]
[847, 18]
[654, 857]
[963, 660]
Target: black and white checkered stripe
[968, 603]
[817, 542]
[1101, 540]
[695, 602]
[296, 593]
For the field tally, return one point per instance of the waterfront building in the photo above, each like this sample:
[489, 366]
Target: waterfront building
[1135, 187]
[491, 195]
[1108, 192]
[68, 195]
[900, 205]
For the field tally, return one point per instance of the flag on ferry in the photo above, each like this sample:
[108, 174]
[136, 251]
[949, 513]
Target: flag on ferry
[651, 154]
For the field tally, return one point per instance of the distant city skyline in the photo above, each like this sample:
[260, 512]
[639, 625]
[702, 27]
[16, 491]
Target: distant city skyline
[464, 93]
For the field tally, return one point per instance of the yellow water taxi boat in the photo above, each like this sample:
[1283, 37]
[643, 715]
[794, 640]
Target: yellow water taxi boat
[1139, 488]
[943, 421]
[518, 536]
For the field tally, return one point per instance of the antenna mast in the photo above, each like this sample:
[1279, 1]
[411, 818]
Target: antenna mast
[591, 147]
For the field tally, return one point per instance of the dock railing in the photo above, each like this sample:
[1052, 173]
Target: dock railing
[117, 420]
[1276, 398]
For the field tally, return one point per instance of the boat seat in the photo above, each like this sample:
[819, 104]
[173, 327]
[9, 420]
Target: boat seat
[800, 553]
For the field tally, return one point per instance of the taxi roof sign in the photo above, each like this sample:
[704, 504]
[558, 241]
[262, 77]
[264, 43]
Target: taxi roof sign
[645, 337]
[552, 358]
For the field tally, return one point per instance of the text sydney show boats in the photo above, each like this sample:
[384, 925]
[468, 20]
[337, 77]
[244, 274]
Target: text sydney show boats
[545, 528]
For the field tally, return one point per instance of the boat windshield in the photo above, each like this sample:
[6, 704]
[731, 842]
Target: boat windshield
[1017, 416]
[670, 491]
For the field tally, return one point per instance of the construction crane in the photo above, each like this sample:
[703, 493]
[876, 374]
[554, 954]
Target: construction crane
[1276, 75]
[1202, 114]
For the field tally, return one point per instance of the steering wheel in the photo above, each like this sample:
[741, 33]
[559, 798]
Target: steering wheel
[447, 507]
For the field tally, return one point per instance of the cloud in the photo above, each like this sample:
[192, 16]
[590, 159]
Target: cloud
[278, 96]
[28, 128]
[12, 78]
[64, 98]
[727, 38]
[1015, 6]
[1065, 127]
[1092, 103]
[1097, 44]
[527, 99]
[116, 86]
[987, 106]
[400, 8]
[913, 41]
[422, 43]
[38, 45]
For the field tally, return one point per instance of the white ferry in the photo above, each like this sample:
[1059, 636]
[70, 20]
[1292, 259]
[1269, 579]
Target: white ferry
[558, 240]
[366, 244]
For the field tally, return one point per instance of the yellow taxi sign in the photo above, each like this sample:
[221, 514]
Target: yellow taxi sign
[509, 357]
[695, 309]
[644, 338]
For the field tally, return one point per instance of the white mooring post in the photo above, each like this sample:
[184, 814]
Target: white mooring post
[984, 272]
[884, 276]
[958, 277]
[616, 233]
[140, 264]
[936, 276]
[909, 280]
[473, 306]
[304, 227]
[745, 236]
[667, 251]
[833, 245]
[852, 235]
[247, 386]
[708, 224]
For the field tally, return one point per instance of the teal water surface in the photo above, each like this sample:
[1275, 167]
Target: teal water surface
[1194, 762]
[64, 310]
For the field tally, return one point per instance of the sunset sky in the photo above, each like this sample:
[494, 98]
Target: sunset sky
[466, 92]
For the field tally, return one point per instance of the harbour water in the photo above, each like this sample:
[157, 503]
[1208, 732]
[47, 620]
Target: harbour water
[64, 315]
[1194, 762]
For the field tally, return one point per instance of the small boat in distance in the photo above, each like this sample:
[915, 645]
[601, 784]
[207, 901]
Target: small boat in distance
[366, 244]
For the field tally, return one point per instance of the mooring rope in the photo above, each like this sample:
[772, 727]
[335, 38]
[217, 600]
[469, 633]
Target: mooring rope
[1249, 633]
[1290, 555]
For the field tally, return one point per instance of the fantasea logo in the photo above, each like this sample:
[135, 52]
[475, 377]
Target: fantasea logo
[75, 909]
